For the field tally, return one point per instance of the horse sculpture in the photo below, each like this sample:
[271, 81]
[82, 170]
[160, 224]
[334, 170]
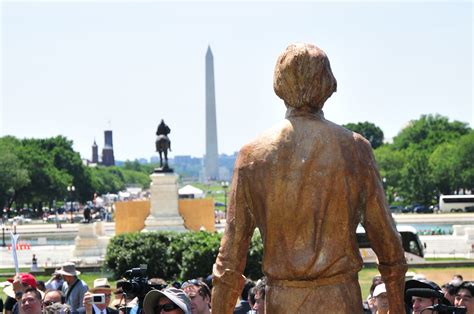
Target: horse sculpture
[162, 146]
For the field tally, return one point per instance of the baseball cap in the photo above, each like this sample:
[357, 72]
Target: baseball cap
[177, 296]
[379, 289]
[27, 279]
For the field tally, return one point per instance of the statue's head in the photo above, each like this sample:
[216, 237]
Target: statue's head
[303, 77]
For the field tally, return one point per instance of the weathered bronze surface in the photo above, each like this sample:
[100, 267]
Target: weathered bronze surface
[163, 144]
[306, 184]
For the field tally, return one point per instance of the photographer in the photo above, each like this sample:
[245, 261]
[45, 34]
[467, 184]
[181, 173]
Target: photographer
[138, 285]
[102, 293]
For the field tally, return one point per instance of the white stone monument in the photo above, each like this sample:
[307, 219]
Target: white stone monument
[91, 242]
[164, 212]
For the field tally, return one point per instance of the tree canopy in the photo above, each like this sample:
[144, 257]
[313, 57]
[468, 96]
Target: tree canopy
[370, 131]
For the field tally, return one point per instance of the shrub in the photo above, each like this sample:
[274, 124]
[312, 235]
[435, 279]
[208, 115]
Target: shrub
[175, 256]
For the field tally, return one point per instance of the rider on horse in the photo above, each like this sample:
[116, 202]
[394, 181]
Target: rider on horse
[163, 143]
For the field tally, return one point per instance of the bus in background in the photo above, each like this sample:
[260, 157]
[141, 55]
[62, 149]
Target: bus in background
[456, 203]
[414, 250]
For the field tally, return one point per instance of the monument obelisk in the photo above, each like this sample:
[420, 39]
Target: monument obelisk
[211, 170]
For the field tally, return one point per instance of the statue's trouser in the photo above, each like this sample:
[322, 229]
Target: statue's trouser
[344, 298]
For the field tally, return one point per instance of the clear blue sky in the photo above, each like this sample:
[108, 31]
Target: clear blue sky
[71, 67]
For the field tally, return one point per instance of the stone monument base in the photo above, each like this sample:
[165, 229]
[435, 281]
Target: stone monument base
[164, 211]
[90, 241]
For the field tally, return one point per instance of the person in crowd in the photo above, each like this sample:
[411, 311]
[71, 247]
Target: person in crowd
[251, 300]
[381, 300]
[31, 302]
[458, 277]
[73, 287]
[449, 291]
[40, 285]
[53, 296]
[464, 296]
[370, 306]
[10, 302]
[20, 283]
[244, 305]
[57, 308]
[101, 286]
[424, 296]
[55, 282]
[169, 300]
[200, 296]
[259, 306]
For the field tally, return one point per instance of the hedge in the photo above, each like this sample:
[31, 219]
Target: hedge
[175, 255]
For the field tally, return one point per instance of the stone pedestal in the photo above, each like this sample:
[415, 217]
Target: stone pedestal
[90, 241]
[164, 213]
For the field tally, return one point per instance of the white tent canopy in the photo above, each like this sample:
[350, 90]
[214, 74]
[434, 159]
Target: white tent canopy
[191, 190]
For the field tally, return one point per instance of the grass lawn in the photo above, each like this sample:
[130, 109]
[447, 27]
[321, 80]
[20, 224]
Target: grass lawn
[438, 275]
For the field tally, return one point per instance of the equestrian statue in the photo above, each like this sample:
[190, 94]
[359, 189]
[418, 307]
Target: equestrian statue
[163, 144]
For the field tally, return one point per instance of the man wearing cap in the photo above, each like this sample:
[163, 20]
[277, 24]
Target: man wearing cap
[20, 283]
[425, 297]
[306, 184]
[381, 300]
[73, 287]
[101, 286]
[168, 301]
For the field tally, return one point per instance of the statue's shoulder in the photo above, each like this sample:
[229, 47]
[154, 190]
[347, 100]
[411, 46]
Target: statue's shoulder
[263, 145]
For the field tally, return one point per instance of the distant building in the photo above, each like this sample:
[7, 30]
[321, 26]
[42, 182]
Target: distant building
[95, 153]
[108, 158]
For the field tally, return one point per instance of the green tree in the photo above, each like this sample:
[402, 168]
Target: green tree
[465, 160]
[390, 162]
[13, 176]
[444, 166]
[428, 132]
[417, 184]
[370, 131]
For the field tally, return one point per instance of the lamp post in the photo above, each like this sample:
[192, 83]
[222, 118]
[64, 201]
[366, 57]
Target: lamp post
[225, 185]
[71, 189]
[384, 181]
[3, 233]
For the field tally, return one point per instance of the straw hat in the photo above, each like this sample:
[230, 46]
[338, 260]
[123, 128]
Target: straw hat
[68, 269]
[101, 284]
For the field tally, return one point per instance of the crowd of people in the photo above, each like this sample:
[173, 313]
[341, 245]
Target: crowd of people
[423, 296]
[65, 292]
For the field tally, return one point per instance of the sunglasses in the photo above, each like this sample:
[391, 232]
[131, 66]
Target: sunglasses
[168, 307]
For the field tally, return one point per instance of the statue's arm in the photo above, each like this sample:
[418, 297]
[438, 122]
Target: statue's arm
[228, 279]
[383, 235]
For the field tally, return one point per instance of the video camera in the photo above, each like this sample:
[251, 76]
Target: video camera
[137, 284]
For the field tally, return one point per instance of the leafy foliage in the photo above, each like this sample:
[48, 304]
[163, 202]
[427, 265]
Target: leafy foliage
[430, 156]
[370, 131]
[37, 172]
[175, 256]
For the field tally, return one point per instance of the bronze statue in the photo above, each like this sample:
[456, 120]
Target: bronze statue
[163, 144]
[306, 184]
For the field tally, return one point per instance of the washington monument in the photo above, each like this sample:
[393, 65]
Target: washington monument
[211, 169]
